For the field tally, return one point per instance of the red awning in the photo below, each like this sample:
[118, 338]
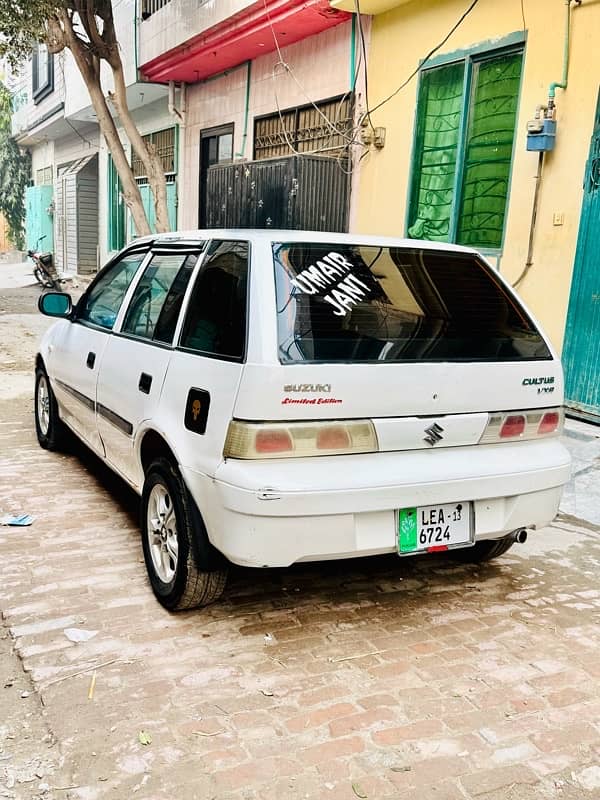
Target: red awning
[243, 37]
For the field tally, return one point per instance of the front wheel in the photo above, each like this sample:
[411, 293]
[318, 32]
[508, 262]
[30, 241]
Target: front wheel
[184, 569]
[49, 428]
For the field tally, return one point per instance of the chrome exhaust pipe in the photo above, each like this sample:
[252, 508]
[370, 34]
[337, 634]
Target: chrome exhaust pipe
[520, 536]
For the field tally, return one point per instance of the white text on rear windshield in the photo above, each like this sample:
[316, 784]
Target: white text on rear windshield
[364, 303]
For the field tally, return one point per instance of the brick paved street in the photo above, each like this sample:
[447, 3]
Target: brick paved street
[414, 679]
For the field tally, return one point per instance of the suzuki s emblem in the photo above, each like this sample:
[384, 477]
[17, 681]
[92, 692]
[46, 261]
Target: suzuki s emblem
[434, 434]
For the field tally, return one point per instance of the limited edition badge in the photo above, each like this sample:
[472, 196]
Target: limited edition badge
[196, 410]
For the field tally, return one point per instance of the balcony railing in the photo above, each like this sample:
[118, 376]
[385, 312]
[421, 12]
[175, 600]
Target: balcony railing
[150, 7]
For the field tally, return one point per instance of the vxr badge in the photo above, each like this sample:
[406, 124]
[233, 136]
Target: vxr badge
[434, 434]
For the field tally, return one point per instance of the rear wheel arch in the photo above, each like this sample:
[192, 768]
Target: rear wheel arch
[154, 446]
[196, 572]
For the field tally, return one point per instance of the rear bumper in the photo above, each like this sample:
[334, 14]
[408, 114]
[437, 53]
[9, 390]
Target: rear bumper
[275, 513]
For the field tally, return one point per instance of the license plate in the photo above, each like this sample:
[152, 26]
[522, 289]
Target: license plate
[429, 529]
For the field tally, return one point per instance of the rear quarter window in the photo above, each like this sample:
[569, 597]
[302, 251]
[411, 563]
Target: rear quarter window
[365, 303]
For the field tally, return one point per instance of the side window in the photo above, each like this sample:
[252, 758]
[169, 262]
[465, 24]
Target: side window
[215, 323]
[156, 302]
[102, 301]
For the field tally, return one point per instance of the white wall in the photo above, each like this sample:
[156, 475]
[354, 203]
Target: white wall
[42, 155]
[73, 147]
[27, 113]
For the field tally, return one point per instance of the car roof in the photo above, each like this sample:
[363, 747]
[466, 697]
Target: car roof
[273, 235]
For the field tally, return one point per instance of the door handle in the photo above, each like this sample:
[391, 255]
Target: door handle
[145, 383]
[91, 360]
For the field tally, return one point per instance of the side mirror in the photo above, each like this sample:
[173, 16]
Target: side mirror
[55, 304]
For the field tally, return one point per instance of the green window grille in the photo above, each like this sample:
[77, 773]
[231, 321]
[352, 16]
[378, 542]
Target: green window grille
[463, 150]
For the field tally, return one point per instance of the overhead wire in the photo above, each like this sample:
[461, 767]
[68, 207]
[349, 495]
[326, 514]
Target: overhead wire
[420, 66]
[363, 50]
[282, 62]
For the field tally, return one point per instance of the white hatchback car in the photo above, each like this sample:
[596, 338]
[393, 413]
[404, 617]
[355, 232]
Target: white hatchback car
[283, 396]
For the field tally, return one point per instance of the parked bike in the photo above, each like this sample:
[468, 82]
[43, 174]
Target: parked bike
[43, 269]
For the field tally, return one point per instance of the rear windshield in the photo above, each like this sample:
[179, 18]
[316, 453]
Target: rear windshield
[343, 302]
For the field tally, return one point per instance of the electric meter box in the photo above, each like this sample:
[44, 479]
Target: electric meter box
[541, 135]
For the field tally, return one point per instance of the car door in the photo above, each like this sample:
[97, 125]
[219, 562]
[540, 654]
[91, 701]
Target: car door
[77, 353]
[136, 358]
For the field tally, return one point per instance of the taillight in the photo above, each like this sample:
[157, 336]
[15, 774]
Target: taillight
[334, 437]
[296, 439]
[508, 426]
[512, 426]
[273, 441]
[550, 422]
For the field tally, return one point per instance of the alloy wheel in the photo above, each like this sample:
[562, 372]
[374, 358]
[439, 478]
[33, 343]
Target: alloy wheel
[162, 532]
[43, 405]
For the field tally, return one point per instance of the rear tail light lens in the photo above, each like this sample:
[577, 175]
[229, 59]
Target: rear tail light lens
[299, 439]
[513, 426]
[550, 423]
[533, 424]
[273, 441]
[334, 437]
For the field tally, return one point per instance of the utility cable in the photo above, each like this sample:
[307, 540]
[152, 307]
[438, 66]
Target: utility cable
[431, 53]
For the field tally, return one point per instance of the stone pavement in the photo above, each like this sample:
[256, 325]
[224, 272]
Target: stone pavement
[380, 678]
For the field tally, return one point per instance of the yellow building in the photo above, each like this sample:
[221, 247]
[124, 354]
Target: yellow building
[456, 164]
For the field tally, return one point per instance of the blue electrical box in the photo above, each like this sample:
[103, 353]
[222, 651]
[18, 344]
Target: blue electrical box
[541, 135]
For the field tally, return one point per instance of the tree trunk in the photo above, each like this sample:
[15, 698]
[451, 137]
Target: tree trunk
[152, 163]
[131, 191]
[89, 67]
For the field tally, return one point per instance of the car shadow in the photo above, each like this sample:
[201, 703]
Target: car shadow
[339, 580]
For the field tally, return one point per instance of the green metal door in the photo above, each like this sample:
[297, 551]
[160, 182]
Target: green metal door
[116, 209]
[581, 350]
[38, 217]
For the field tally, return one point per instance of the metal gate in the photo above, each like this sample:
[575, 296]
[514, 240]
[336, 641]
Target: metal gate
[581, 351]
[299, 192]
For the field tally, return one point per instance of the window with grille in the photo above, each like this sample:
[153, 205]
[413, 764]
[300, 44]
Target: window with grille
[164, 143]
[150, 7]
[309, 129]
[465, 130]
[43, 176]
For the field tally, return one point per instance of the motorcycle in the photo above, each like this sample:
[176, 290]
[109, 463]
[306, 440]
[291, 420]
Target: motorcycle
[43, 269]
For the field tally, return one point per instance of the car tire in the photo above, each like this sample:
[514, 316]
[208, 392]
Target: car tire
[185, 570]
[484, 551]
[50, 429]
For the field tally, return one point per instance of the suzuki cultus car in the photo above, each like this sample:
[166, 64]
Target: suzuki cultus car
[284, 396]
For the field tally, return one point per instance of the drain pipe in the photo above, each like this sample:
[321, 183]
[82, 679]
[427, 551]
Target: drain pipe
[534, 211]
[562, 84]
[179, 114]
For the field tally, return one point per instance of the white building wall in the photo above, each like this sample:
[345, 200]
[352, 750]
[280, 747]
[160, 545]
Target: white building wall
[42, 156]
[320, 66]
[26, 114]
[71, 148]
